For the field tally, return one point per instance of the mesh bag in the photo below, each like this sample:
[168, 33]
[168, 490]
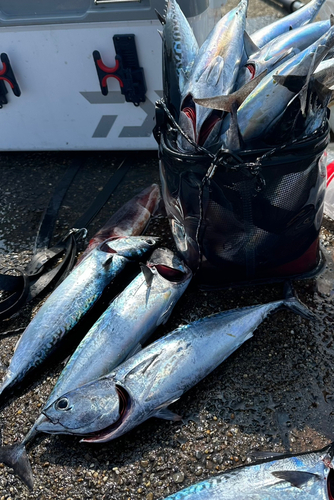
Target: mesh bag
[254, 216]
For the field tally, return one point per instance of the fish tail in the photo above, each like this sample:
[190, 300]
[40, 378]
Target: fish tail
[293, 303]
[15, 456]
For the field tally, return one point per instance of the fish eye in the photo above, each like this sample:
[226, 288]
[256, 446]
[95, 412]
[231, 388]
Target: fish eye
[150, 242]
[62, 404]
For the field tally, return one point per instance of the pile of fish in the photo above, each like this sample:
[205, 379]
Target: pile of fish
[240, 92]
[112, 383]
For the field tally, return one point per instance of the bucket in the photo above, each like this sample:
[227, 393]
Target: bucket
[249, 217]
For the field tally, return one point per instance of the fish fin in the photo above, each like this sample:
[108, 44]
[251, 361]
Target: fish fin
[212, 73]
[264, 455]
[137, 348]
[292, 302]
[235, 141]
[15, 456]
[143, 366]
[324, 94]
[283, 54]
[160, 17]
[293, 83]
[303, 94]
[108, 261]
[167, 414]
[148, 274]
[294, 477]
[160, 33]
[226, 102]
[250, 47]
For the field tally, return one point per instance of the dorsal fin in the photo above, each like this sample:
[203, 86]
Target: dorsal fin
[160, 17]
[249, 45]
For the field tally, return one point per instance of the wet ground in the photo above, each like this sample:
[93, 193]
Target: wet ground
[275, 393]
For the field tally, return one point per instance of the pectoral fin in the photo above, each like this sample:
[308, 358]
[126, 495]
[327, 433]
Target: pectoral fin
[296, 478]
[166, 414]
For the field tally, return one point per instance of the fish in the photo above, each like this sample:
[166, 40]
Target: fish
[216, 66]
[279, 49]
[129, 220]
[126, 324]
[180, 48]
[300, 17]
[69, 302]
[288, 477]
[264, 105]
[146, 384]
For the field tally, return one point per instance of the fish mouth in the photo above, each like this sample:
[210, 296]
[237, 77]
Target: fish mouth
[105, 434]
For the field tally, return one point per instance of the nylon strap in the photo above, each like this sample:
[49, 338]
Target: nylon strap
[33, 280]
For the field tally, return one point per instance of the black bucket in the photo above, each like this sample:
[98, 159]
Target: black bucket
[245, 218]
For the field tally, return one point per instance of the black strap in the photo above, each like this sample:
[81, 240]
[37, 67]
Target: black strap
[33, 280]
[104, 195]
[49, 217]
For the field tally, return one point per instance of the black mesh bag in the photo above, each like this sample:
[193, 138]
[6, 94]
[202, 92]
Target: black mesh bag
[245, 218]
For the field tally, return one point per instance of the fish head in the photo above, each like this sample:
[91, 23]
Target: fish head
[87, 409]
[130, 247]
[169, 266]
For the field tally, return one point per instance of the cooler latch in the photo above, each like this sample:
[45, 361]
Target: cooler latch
[127, 70]
[7, 75]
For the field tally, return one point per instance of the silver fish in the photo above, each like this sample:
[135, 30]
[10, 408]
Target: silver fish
[298, 18]
[306, 476]
[267, 101]
[70, 301]
[279, 49]
[216, 66]
[146, 384]
[129, 220]
[180, 43]
[130, 319]
[180, 48]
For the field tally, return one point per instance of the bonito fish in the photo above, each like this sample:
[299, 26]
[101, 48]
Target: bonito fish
[180, 48]
[215, 68]
[298, 18]
[70, 301]
[306, 476]
[268, 100]
[279, 49]
[130, 220]
[146, 384]
[131, 318]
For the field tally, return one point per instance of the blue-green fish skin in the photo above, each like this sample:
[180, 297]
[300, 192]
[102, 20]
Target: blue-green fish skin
[145, 384]
[281, 48]
[180, 42]
[298, 18]
[270, 480]
[69, 302]
[268, 100]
